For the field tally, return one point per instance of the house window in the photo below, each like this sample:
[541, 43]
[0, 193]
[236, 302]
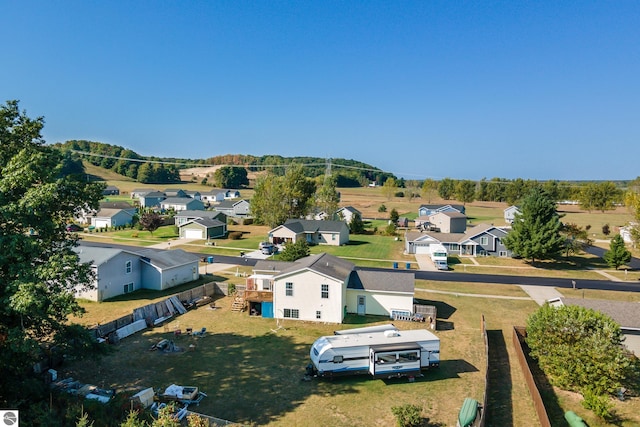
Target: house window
[128, 288]
[333, 237]
[288, 289]
[502, 254]
[324, 292]
[484, 241]
[292, 313]
[127, 267]
[318, 315]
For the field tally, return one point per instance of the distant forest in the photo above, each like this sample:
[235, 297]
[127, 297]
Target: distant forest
[156, 170]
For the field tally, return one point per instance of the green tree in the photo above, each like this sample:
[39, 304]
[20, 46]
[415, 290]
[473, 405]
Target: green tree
[446, 188]
[231, 177]
[356, 226]
[394, 216]
[535, 232]
[39, 269]
[327, 197]
[267, 206]
[599, 196]
[294, 251]
[580, 349]
[617, 255]
[429, 189]
[150, 221]
[407, 415]
[297, 192]
[465, 191]
[389, 188]
[576, 239]
[145, 173]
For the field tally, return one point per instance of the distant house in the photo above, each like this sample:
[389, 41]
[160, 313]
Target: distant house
[111, 190]
[449, 221]
[231, 194]
[137, 192]
[193, 194]
[323, 288]
[202, 229]
[175, 192]
[183, 217]
[212, 196]
[481, 240]
[85, 215]
[105, 218]
[152, 199]
[402, 222]
[346, 213]
[333, 233]
[427, 210]
[234, 208]
[510, 214]
[120, 271]
[181, 204]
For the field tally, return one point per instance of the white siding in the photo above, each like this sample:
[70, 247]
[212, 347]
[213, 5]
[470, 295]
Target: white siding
[379, 303]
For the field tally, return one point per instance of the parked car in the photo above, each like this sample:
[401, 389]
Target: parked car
[263, 244]
[269, 249]
[74, 228]
[442, 265]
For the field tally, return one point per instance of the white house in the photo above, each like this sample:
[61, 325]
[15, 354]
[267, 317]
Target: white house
[324, 288]
[120, 271]
[346, 213]
[105, 218]
[181, 204]
[334, 233]
[510, 214]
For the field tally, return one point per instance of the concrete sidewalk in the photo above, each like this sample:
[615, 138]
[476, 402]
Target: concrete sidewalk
[541, 294]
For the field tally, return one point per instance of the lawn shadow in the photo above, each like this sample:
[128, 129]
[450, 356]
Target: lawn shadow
[450, 368]
[357, 243]
[355, 319]
[147, 294]
[499, 402]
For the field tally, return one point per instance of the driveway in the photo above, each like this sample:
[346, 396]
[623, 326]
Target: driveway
[425, 263]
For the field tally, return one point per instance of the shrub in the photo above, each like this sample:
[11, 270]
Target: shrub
[382, 208]
[599, 404]
[390, 230]
[235, 235]
[134, 234]
[407, 415]
[399, 194]
[231, 288]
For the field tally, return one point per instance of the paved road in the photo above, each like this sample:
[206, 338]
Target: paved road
[444, 276]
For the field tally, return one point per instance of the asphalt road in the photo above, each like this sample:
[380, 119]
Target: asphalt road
[445, 276]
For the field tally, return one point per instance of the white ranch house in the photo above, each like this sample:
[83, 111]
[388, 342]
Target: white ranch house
[334, 233]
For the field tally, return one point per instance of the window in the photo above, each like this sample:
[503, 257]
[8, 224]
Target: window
[408, 356]
[338, 359]
[128, 288]
[288, 289]
[484, 241]
[502, 253]
[292, 313]
[127, 267]
[333, 237]
[324, 291]
[318, 315]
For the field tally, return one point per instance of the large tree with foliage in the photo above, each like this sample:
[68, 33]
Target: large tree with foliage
[535, 232]
[429, 189]
[150, 221]
[465, 191]
[231, 177]
[446, 188]
[580, 349]
[327, 197]
[576, 239]
[39, 268]
[389, 188]
[600, 196]
[617, 255]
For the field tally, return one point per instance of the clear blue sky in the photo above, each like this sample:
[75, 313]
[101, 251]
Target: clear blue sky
[460, 89]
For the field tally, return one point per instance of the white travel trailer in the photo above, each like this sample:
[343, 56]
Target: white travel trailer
[381, 353]
[439, 257]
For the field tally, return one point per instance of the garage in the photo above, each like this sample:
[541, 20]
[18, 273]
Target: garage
[422, 249]
[102, 223]
[193, 234]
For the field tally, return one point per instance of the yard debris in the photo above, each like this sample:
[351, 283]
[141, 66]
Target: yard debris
[92, 392]
[166, 346]
[184, 394]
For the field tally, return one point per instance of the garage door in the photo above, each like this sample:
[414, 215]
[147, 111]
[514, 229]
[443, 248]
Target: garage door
[422, 249]
[102, 224]
[193, 234]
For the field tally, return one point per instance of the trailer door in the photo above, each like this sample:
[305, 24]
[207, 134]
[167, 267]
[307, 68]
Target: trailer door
[362, 308]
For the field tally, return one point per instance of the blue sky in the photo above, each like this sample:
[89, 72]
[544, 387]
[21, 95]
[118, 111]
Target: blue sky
[460, 89]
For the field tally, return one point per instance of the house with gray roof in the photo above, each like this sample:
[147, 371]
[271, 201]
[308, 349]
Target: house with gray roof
[106, 218]
[136, 193]
[346, 213]
[481, 240]
[152, 199]
[626, 314]
[183, 217]
[324, 288]
[510, 214]
[111, 190]
[430, 209]
[181, 204]
[449, 221]
[335, 233]
[203, 229]
[120, 272]
[234, 208]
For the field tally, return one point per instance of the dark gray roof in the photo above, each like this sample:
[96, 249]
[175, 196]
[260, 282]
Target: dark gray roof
[390, 281]
[626, 314]
[312, 226]
[482, 228]
[270, 265]
[323, 263]
[97, 255]
[153, 194]
[207, 222]
[199, 214]
[168, 259]
[226, 204]
[116, 205]
[178, 200]
[439, 206]
[109, 213]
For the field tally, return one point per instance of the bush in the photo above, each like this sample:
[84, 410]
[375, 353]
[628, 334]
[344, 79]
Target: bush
[399, 194]
[390, 230]
[407, 415]
[382, 208]
[235, 235]
[599, 404]
[134, 234]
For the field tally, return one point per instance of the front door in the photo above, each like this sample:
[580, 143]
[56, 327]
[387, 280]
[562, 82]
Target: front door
[362, 308]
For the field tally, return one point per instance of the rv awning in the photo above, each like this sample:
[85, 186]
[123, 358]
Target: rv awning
[396, 347]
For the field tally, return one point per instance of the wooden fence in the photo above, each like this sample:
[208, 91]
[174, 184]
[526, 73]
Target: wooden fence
[519, 333]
